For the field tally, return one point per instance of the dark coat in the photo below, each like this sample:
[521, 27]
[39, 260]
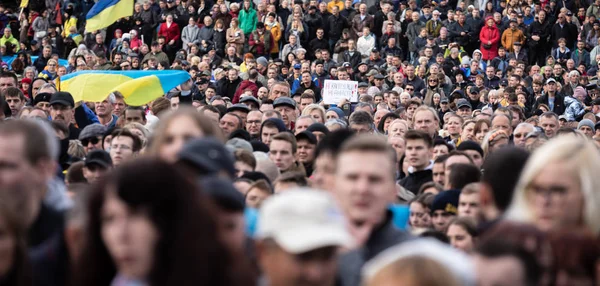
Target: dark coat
[381, 238]
[559, 103]
[414, 181]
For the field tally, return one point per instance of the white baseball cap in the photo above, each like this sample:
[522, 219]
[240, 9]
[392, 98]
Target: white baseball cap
[301, 220]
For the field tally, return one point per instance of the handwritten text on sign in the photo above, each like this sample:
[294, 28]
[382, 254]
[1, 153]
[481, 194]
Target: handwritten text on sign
[336, 90]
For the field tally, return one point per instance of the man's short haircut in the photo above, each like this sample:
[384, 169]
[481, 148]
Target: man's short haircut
[458, 153]
[210, 108]
[287, 137]
[118, 95]
[137, 143]
[269, 113]
[13, 92]
[307, 95]
[441, 159]
[472, 188]
[297, 178]
[333, 142]
[549, 114]
[245, 157]
[361, 118]
[240, 124]
[369, 143]
[435, 114]
[419, 135]
[39, 138]
[463, 174]
[507, 115]
[137, 108]
[12, 75]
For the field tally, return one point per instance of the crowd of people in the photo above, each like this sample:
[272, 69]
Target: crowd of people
[467, 158]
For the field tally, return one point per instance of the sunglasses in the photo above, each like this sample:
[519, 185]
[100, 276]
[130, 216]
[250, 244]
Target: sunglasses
[409, 89]
[93, 140]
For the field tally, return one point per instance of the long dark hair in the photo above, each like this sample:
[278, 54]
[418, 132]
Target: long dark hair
[188, 252]
[384, 118]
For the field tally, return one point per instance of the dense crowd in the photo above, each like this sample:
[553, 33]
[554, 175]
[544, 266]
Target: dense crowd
[468, 156]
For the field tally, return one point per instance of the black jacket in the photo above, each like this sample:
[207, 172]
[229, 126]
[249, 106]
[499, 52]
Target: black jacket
[227, 88]
[353, 59]
[335, 26]
[381, 238]
[559, 103]
[414, 181]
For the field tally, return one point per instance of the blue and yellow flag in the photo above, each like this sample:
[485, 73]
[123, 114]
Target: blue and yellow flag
[137, 87]
[106, 12]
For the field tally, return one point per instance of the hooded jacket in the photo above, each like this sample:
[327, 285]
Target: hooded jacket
[248, 19]
[491, 34]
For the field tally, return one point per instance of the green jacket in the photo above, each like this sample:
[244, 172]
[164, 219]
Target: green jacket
[248, 20]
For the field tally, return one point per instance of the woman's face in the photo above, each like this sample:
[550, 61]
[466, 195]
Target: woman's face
[386, 124]
[440, 150]
[255, 197]
[468, 133]
[481, 132]
[397, 129]
[316, 115]
[453, 126]
[331, 115]
[436, 99]
[554, 197]
[7, 247]
[180, 130]
[460, 238]
[130, 237]
[419, 216]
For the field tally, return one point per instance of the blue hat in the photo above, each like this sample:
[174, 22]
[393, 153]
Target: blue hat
[446, 201]
[338, 111]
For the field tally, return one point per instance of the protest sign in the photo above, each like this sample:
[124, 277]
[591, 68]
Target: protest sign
[336, 90]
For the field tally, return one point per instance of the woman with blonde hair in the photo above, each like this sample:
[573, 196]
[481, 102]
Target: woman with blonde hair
[398, 127]
[178, 127]
[139, 130]
[559, 187]
[494, 140]
[316, 111]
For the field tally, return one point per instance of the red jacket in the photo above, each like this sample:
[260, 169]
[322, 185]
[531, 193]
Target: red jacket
[246, 84]
[491, 34]
[171, 33]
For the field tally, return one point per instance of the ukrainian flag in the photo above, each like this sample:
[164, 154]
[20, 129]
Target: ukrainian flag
[106, 12]
[138, 87]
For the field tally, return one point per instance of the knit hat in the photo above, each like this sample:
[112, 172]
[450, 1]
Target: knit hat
[588, 123]
[579, 91]
[262, 61]
[338, 111]
[470, 145]
[319, 127]
[446, 201]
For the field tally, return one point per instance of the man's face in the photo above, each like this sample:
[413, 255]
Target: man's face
[306, 151]
[280, 153]
[520, 134]
[94, 172]
[228, 124]
[15, 170]
[316, 267]
[134, 116]
[61, 113]
[121, 149]
[278, 91]
[441, 219]
[425, 121]
[92, 143]
[104, 108]
[303, 124]
[15, 104]
[364, 190]
[418, 154]
[6, 82]
[550, 125]
[253, 122]
[457, 159]
[587, 131]
[502, 123]
[288, 114]
[438, 173]
[360, 128]
[468, 206]
[267, 134]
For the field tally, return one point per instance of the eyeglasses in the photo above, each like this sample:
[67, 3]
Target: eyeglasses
[93, 140]
[409, 88]
[519, 135]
